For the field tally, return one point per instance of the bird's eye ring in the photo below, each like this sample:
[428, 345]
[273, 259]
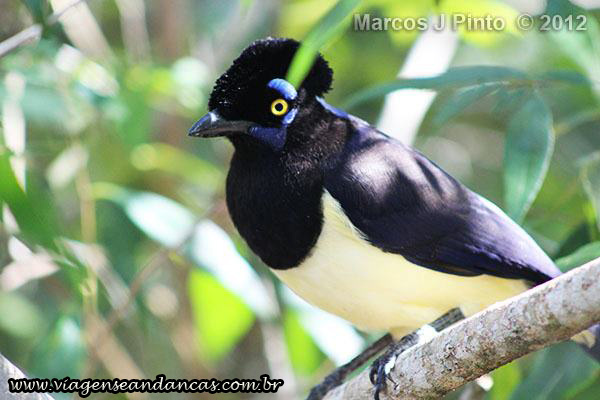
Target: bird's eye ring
[279, 107]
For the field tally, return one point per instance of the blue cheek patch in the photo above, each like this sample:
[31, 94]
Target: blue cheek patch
[275, 137]
[285, 88]
[289, 117]
[272, 137]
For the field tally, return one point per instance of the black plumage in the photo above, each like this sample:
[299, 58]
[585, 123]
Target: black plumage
[285, 164]
[400, 201]
[242, 93]
[275, 198]
[404, 203]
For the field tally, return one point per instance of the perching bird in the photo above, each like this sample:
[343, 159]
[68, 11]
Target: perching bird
[353, 221]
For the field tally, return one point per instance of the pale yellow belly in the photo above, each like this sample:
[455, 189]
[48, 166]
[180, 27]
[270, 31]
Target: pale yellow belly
[378, 291]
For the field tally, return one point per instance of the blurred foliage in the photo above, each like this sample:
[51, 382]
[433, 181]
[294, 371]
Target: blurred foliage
[117, 257]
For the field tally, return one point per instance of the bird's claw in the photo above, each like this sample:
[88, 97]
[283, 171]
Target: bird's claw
[381, 368]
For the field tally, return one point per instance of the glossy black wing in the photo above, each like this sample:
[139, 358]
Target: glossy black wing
[405, 204]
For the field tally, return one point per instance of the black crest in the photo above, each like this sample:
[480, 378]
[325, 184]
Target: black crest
[263, 60]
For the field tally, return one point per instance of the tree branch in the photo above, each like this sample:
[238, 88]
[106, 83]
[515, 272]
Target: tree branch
[544, 315]
[8, 370]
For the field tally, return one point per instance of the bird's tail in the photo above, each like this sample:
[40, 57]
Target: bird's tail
[590, 341]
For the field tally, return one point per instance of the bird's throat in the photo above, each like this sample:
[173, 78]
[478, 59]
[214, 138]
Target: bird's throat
[276, 207]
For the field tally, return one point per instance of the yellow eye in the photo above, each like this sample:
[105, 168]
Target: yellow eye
[279, 107]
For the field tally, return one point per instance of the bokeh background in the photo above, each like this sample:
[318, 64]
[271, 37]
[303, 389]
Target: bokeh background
[117, 256]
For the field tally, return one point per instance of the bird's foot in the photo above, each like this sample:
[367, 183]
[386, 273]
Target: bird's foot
[339, 375]
[383, 365]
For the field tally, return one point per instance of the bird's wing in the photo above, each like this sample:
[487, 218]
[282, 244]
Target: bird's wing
[405, 204]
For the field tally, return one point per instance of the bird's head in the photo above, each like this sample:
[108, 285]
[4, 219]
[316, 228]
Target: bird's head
[252, 101]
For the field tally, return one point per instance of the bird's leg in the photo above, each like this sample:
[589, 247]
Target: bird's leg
[338, 376]
[383, 365]
[450, 318]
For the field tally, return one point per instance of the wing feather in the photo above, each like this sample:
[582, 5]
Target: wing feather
[405, 204]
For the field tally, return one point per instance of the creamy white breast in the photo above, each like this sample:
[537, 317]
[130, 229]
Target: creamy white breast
[378, 291]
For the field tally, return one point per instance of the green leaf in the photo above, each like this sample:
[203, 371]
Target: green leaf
[327, 28]
[206, 244]
[453, 78]
[572, 122]
[210, 247]
[167, 158]
[566, 76]
[221, 319]
[304, 353]
[18, 316]
[583, 255]
[509, 100]
[461, 100]
[580, 46]
[555, 371]
[31, 210]
[130, 111]
[39, 9]
[45, 106]
[162, 219]
[62, 353]
[580, 236]
[586, 391]
[527, 153]
[333, 335]
[506, 379]
[562, 8]
[590, 177]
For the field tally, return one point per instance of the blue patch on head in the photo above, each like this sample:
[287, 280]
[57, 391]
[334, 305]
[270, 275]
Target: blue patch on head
[285, 88]
[334, 110]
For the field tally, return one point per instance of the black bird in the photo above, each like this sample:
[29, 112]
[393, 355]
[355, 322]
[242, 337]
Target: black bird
[350, 219]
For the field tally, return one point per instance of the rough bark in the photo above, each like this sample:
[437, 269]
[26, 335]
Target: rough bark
[544, 315]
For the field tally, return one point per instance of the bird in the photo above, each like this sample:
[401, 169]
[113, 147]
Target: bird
[352, 220]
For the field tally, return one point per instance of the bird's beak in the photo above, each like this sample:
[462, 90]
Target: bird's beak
[212, 125]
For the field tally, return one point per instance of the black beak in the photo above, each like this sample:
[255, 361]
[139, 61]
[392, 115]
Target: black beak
[212, 125]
